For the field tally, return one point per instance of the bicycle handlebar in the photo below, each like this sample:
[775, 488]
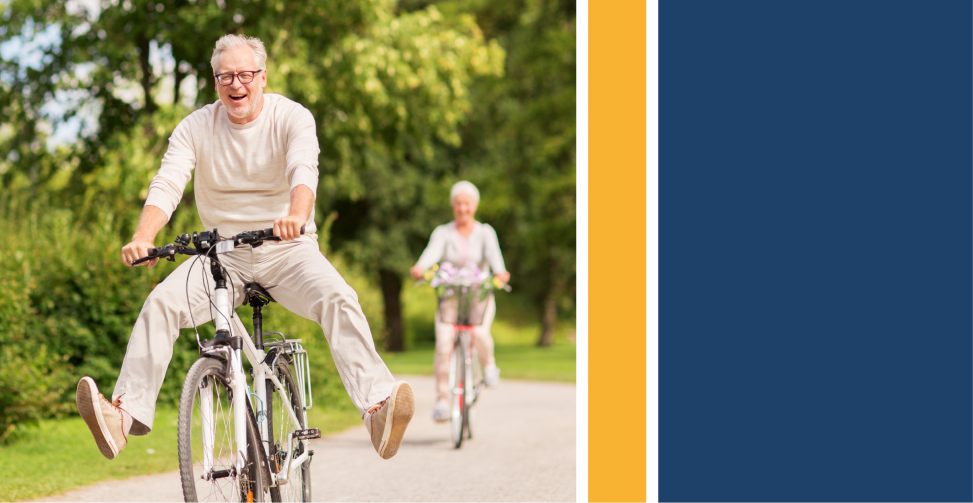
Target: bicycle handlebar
[205, 241]
[424, 281]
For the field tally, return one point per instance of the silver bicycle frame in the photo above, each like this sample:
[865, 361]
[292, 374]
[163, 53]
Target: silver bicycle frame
[465, 337]
[238, 382]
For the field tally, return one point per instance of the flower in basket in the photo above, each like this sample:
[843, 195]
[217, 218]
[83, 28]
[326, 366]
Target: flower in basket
[446, 276]
[494, 284]
[464, 276]
[430, 272]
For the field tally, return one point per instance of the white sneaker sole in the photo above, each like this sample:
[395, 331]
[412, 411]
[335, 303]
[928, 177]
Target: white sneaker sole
[90, 411]
[402, 405]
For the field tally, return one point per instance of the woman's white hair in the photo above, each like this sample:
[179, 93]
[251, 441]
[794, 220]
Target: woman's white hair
[231, 41]
[464, 187]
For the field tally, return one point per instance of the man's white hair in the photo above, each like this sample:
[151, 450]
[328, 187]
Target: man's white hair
[231, 41]
[464, 187]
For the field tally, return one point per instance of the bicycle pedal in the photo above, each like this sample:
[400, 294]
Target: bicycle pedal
[308, 434]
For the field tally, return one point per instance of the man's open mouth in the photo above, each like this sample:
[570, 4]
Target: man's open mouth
[238, 97]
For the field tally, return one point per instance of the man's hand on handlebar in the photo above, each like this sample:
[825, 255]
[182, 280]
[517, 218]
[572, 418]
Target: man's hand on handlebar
[289, 227]
[136, 250]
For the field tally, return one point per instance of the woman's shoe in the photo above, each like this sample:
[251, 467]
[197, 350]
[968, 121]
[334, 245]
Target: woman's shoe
[441, 412]
[491, 376]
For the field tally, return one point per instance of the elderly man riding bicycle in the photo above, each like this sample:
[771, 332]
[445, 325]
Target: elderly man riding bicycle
[255, 158]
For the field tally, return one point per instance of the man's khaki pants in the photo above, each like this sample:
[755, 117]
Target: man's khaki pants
[299, 278]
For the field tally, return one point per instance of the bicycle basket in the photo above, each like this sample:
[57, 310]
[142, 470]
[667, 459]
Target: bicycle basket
[463, 305]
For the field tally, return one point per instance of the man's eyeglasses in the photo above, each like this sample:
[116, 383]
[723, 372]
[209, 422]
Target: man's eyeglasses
[226, 79]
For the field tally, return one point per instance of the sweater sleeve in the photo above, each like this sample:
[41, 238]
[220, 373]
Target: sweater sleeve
[491, 251]
[434, 250]
[302, 150]
[167, 186]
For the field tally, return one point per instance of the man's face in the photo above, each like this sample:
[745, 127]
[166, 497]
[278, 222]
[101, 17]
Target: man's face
[242, 101]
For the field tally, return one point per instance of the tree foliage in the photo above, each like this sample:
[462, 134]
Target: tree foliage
[518, 146]
[409, 97]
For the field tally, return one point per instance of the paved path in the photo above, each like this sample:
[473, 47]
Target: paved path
[523, 449]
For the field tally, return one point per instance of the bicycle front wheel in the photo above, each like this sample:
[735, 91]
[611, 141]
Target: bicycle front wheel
[298, 486]
[474, 378]
[457, 385]
[207, 459]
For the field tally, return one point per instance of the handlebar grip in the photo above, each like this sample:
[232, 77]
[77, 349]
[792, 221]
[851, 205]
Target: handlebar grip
[270, 231]
[143, 259]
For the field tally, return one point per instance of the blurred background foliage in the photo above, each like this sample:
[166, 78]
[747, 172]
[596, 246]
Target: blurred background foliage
[409, 97]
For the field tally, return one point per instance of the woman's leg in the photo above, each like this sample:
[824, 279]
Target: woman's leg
[444, 348]
[483, 338]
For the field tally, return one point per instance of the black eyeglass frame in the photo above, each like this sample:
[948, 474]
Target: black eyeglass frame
[236, 76]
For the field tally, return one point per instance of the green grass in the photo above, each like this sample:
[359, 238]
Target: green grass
[556, 363]
[59, 455]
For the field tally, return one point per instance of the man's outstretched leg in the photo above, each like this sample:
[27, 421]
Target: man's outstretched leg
[147, 357]
[108, 423]
[302, 280]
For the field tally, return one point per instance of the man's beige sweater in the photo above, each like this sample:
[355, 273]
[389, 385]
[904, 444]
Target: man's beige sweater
[244, 172]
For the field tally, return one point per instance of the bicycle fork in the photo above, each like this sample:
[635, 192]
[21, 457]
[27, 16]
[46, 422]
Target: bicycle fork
[467, 339]
[238, 381]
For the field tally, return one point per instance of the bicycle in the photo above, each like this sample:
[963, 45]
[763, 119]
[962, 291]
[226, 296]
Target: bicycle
[463, 296]
[238, 443]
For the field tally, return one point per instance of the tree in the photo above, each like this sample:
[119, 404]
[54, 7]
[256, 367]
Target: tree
[543, 66]
[387, 91]
[386, 101]
[519, 146]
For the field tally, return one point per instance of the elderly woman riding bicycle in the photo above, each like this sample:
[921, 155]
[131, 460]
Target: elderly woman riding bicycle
[460, 242]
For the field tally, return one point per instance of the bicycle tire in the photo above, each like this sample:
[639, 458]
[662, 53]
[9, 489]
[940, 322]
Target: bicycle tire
[467, 391]
[474, 377]
[457, 373]
[280, 426]
[249, 485]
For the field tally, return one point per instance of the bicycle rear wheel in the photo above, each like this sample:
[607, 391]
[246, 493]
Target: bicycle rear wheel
[205, 436]
[298, 486]
[457, 378]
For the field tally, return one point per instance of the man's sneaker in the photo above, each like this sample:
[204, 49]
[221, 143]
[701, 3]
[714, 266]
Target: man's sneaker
[441, 412]
[491, 376]
[103, 418]
[386, 421]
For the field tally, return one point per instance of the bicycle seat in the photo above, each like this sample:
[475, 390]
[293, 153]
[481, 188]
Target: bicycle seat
[256, 295]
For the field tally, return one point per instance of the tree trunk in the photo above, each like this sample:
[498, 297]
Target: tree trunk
[179, 76]
[143, 45]
[392, 292]
[549, 320]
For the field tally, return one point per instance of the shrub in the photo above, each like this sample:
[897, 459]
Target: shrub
[31, 377]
